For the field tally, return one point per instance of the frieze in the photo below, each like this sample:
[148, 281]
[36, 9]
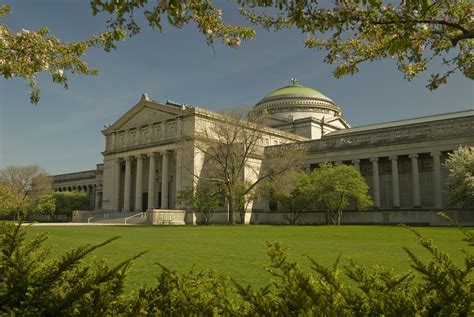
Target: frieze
[74, 176]
[302, 109]
[304, 103]
[154, 132]
[429, 131]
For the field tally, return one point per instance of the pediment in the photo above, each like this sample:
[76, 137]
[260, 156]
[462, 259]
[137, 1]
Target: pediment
[338, 122]
[145, 117]
[143, 113]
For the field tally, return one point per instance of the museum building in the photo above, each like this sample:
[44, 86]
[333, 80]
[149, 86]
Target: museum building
[151, 154]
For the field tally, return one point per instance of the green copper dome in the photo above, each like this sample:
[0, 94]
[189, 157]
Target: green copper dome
[295, 91]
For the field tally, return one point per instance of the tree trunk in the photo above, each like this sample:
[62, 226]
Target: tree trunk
[339, 216]
[231, 220]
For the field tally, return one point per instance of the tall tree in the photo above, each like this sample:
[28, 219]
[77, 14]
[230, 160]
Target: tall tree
[461, 177]
[232, 151]
[25, 184]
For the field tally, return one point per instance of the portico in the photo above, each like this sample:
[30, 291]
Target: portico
[146, 180]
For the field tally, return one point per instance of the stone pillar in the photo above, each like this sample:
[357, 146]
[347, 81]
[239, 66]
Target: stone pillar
[138, 185]
[179, 170]
[356, 164]
[375, 173]
[96, 200]
[164, 180]
[128, 183]
[437, 179]
[151, 181]
[415, 180]
[395, 182]
[116, 205]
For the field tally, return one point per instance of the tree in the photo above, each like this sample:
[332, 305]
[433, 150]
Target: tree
[205, 199]
[33, 284]
[461, 177]
[334, 186]
[67, 202]
[10, 200]
[412, 33]
[232, 151]
[28, 183]
[27, 53]
[292, 190]
[46, 205]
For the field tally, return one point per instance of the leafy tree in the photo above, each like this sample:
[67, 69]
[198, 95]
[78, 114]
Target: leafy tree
[412, 33]
[292, 190]
[461, 177]
[28, 183]
[334, 186]
[27, 53]
[67, 202]
[46, 205]
[205, 199]
[10, 200]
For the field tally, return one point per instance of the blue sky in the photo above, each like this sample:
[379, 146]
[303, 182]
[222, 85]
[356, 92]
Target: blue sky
[62, 134]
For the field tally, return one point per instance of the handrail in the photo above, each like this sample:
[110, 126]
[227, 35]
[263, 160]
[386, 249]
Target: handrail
[142, 214]
[105, 215]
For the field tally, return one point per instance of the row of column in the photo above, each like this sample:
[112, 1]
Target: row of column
[85, 188]
[151, 180]
[415, 180]
[91, 192]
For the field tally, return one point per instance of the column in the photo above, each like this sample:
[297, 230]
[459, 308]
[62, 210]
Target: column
[96, 202]
[437, 179]
[415, 180]
[375, 173]
[128, 183]
[356, 164]
[164, 180]
[395, 182]
[151, 181]
[116, 205]
[179, 169]
[138, 185]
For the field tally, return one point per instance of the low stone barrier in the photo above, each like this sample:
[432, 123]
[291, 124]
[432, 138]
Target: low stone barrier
[371, 217]
[170, 217]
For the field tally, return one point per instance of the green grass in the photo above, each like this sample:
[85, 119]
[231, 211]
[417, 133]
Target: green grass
[239, 250]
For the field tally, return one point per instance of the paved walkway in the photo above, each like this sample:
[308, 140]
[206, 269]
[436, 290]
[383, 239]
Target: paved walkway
[66, 224]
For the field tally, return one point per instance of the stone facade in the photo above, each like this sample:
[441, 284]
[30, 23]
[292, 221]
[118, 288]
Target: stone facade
[151, 152]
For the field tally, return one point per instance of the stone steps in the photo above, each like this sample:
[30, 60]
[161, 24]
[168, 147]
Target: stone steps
[119, 218]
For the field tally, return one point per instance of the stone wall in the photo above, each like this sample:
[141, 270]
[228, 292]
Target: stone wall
[389, 217]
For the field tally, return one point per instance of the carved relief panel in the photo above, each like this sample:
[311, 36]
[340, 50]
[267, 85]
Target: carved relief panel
[171, 130]
[132, 137]
[122, 142]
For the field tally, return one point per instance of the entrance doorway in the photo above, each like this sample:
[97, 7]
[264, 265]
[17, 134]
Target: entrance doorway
[145, 201]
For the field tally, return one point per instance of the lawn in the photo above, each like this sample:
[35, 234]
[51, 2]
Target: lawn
[239, 250]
